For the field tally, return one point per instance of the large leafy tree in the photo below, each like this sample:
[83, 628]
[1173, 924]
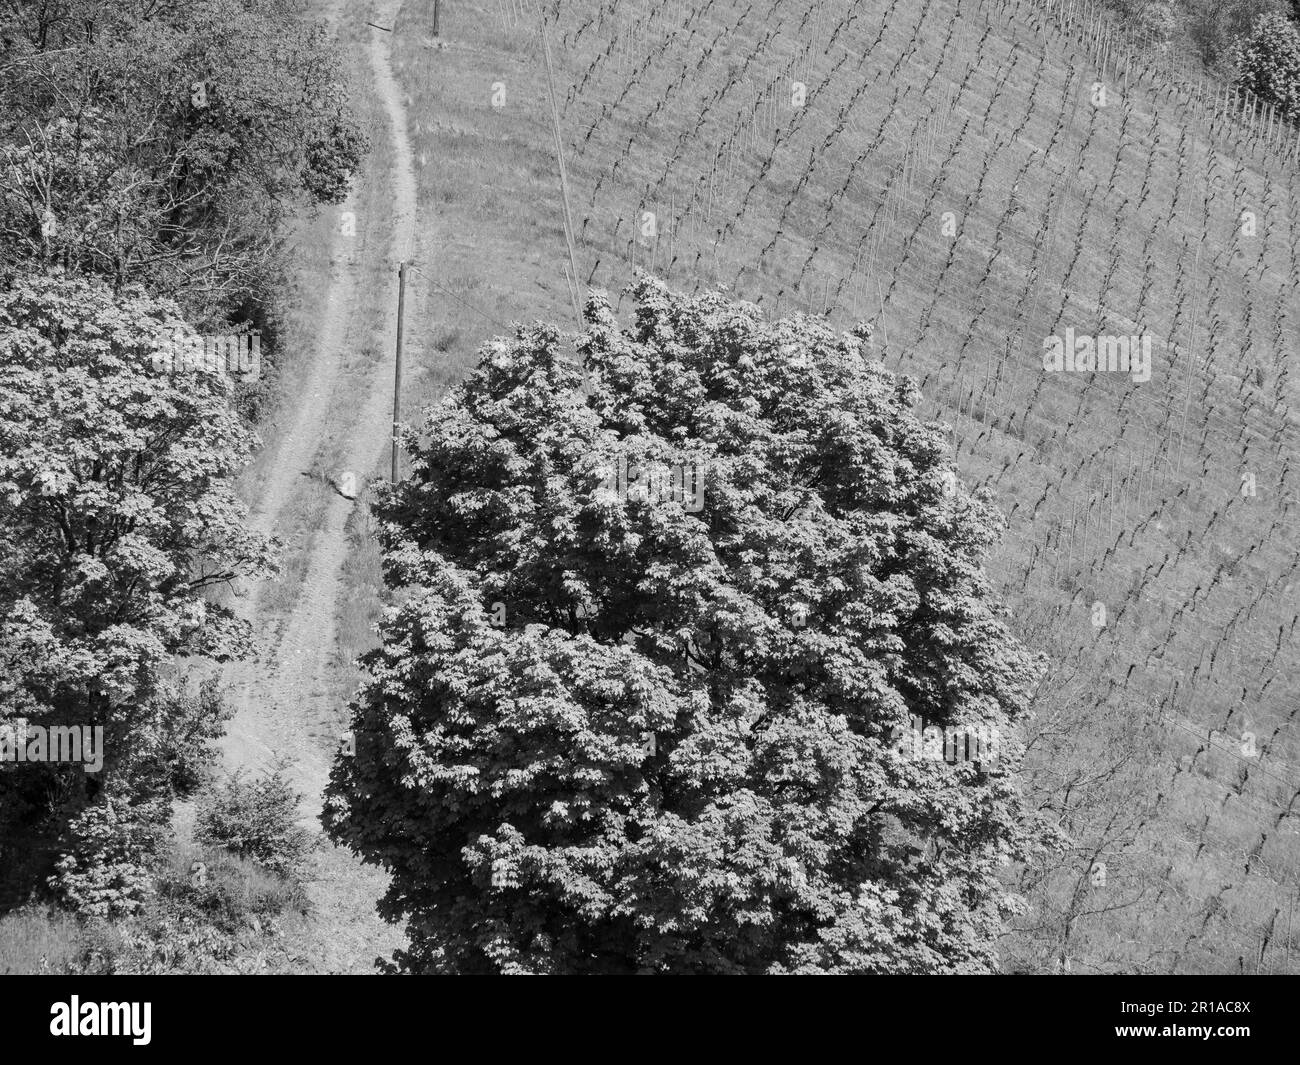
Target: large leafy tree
[1268, 63]
[611, 730]
[167, 143]
[117, 514]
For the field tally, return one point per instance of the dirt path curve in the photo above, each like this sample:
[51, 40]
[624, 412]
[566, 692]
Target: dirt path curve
[285, 703]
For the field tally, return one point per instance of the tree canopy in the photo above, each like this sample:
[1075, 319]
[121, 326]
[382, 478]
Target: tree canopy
[609, 730]
[165, 143]
[117, 511]
[1268, 63]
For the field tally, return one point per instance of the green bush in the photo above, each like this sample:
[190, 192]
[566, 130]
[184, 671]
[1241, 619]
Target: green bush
[212, 912]
[154, 946]
[256, 819]
[109, 852]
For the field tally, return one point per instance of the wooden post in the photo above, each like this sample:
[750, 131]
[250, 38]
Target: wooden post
[1290, 913]
[1110, 520]
[397, 372]
[437, 4]
[884, 332]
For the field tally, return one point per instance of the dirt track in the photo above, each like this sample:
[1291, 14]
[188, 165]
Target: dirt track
[285, 704]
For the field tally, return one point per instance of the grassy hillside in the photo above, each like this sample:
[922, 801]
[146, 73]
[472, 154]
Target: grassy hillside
[955, 177]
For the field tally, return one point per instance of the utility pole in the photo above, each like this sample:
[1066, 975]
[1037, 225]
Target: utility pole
[436, 5]
[397, 374]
